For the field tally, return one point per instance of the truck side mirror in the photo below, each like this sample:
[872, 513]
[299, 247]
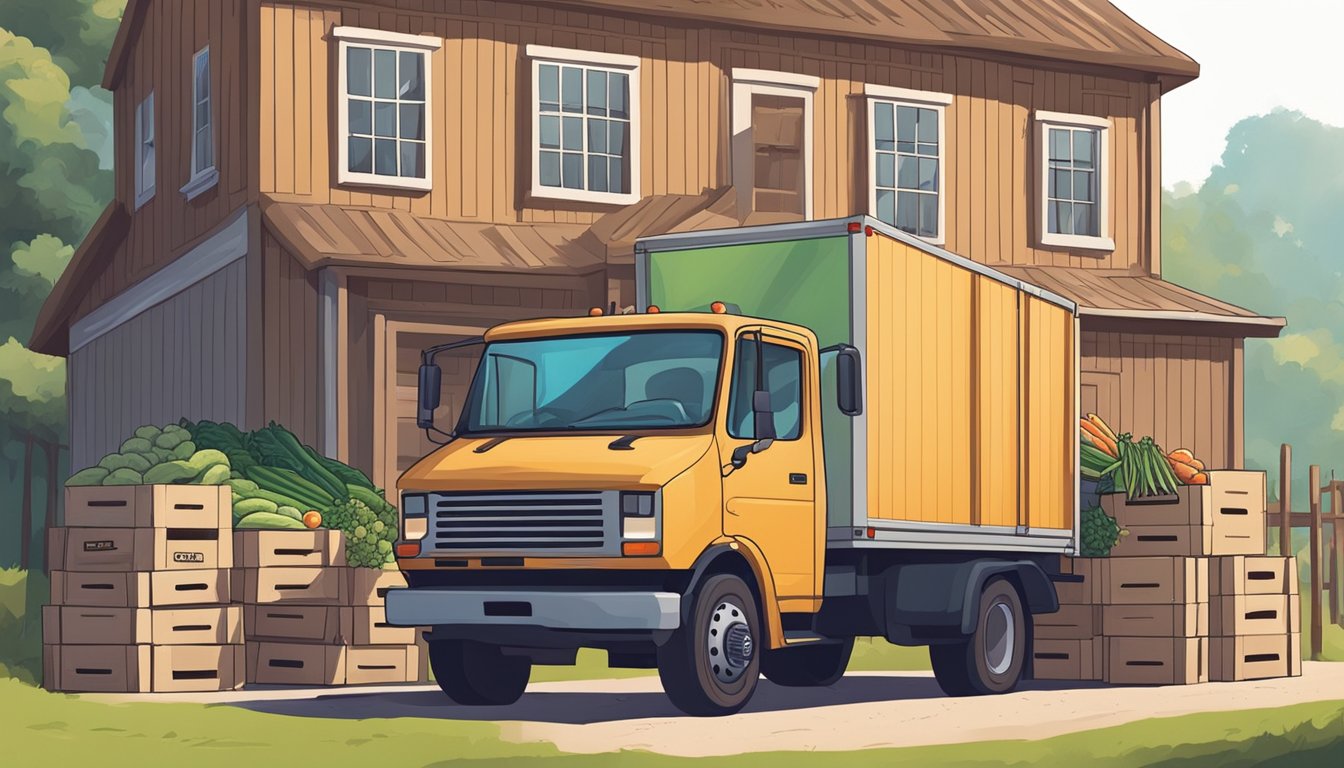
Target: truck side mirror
[764, 415]
[428, 395]
[849, 383]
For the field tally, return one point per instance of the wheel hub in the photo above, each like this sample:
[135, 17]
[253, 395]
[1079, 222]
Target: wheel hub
[729, 642]
[998, 638]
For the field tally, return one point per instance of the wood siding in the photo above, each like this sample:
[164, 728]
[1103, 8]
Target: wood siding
[292, 372]
[1182, 390]
[481, 107]
[160, 60]
[185, 357]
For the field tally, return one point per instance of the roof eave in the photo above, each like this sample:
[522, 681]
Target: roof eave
[1247, 326]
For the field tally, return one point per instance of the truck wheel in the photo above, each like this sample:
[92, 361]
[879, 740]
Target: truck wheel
[710, 665]
[807, 666]
[991, 659]
[478, 674]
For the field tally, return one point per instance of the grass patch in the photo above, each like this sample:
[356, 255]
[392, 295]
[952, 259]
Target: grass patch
[21, 598]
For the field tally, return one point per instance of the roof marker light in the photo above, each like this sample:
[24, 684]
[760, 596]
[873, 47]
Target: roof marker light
[653, 309]
[868, 230]
[595, 312]
[854, 227]
[718, 308]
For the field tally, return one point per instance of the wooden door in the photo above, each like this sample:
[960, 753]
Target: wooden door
[398, 442]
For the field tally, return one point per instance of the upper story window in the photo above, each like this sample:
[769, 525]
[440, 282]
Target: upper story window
[1074, 181]
[203, 173]
[384, 110]
[772, 141]
[585, 125]
[144, 150]
[906, 157]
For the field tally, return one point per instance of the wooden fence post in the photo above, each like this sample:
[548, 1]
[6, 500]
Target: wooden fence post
[1315, 553]
[1285, 500]
[1337, 568]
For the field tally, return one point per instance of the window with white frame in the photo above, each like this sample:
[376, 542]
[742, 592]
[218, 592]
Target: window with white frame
[203, 173]
[772, 142]
[384, 118]
[585, 125]
[1075, 183]
[144, 150]
[906, 157]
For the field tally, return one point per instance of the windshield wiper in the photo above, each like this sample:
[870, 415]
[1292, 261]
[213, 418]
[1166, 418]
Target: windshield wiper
[623, 443]
[491, 444]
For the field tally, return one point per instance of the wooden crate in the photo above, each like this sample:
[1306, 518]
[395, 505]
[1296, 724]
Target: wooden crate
[1077, 659]
[1225, 517]
[140, 589]
[1157, 660]
[367, 625]
[369, 586]
[1079, 580]
[75, 625]
[1155, 580]
[1234, 615]
[304, 664]
[285, 623]
[1169, 620]
[1070, 622]
[292, 585]
[1248, 575]
[320, 547]
[142, 668]
[139, 549]
[1255, 657]
[149, 506]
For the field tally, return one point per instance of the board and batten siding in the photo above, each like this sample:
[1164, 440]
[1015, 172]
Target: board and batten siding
[184, 357]
[480, 102]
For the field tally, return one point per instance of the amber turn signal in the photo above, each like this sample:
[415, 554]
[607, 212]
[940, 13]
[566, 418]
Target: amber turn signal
[653, 309]
[408, 549]
[640, 548]
[718, 308]
[595, 312]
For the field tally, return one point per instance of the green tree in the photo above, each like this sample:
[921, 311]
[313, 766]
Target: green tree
[78, 33]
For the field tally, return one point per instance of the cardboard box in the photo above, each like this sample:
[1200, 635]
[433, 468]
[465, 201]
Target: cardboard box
[1256, 615]
[367, 625]
[1231, 507]
[319, 547]
[143, 668]
[1157, 660]
[140, 589]
[1255, 657]
[296, 586]
[75, 625]
[1247, 575]
[1067, 659]
[1171, 620]
[294, 623]
[301, 664]
[1070, 622]
[368, 586]
[1079, 580]
[149, 506]
[1164, 541]
[140, 549]
[1155, 580]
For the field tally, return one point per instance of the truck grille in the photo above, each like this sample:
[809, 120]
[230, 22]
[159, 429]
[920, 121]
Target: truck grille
[537, 523]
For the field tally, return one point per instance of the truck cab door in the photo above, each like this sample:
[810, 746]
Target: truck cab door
[772, 499]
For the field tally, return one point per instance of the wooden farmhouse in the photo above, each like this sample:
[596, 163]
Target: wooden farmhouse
[310, 192]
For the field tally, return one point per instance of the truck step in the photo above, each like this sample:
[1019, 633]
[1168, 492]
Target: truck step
[803, 637]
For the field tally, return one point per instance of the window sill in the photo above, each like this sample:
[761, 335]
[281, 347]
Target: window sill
[386, 182]
[583, 196]
[1084, 242]
[143, 197]
[200, 183]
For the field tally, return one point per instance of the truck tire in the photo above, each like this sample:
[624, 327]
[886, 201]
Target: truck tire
[808, 666]
[478, 674]
[992, 658]
[710, 665]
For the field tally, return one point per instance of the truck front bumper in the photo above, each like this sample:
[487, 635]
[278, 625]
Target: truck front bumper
[576, 610]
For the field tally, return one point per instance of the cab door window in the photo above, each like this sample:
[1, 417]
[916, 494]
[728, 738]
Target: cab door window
[783, 379]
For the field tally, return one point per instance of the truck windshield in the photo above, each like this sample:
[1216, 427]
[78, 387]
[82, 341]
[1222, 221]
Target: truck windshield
[608, 382]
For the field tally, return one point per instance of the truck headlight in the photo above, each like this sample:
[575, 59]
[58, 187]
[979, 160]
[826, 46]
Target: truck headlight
[414, 516]
[639, 521]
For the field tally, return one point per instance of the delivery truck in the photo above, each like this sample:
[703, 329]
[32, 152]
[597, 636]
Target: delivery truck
[801, 434]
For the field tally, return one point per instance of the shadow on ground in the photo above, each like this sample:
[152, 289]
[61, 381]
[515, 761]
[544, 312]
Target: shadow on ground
[580, 708]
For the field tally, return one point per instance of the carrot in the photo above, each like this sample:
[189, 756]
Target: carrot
[1099, 424]
[1182, 454]
[1197, 464]
[1103, 442]
[1184, 472]
[1200, 478]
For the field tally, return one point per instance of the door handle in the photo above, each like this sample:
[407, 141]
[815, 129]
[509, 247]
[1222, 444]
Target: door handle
[797, 478]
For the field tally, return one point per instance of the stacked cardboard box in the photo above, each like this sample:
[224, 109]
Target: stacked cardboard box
[1155, 620]
[1256, 619]
[1067, 645]
[310, 620]
[140, 592]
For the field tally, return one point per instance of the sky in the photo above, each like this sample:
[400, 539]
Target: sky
[1253, 56]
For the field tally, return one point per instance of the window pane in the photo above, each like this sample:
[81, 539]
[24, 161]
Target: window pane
[928, 126]
[571, 89]
[597, 173]
[884, 126]
[1084, 219]
[203, 76]
[358, 72]
[907, 211]
[886, 170]
[571, 170]
[385, 157]
[202, 115]
[928, 150]
[618, 181]
[413, 159]
[361, 155]
[928, 215]
[550, 169]
[928, 174]
[907, 172]
[202, 158]
[1052, 213]
[1059, 144]
[619, 93]
[1061, 185]
[886, 206]
[412, 121]
[384, 118]
[385, 73]
[550, 132]
[1082, 148]
[905, 123]
[616, 139]
[597, 135]
[549, 86]
[597, 92]
[1064, 214]
[573, 133]
[361, 117]
[411, 76]
[1082, 185]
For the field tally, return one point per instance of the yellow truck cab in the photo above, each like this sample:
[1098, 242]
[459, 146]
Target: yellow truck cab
[707, 487]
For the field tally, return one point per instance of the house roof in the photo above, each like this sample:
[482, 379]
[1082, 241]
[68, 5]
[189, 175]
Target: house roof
[1108, 293]
[50, 331]
[326, 235]
[1071, 31]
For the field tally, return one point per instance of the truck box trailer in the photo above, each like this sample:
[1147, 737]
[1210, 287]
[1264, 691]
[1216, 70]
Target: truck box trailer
[802, 434]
